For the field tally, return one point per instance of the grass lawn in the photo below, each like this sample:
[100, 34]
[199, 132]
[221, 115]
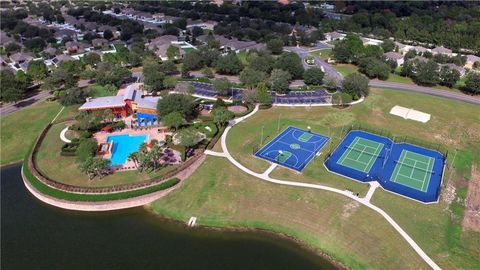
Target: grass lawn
[242, 55]
[352, 234]
[65, 169]
[393, 77]
[345, 69]
[323, 54]
[20, 129]
[232, 198]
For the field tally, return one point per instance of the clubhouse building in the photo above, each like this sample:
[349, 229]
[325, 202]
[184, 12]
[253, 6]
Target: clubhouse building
[129, 102]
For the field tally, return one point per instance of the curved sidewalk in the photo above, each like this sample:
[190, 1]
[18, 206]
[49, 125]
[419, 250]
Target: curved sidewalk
[365, 201]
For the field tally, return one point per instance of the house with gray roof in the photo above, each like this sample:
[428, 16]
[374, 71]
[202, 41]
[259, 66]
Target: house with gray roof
[331, 36]
[394, 56]
[231, 44]
[441, 50]
[451, 66]
[471, 59]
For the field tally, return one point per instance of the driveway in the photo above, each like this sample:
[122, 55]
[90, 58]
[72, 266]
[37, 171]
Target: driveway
[11, 107]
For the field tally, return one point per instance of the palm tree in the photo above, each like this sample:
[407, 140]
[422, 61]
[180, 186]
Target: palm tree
[134, 157]
[143, 147]
[155, 154]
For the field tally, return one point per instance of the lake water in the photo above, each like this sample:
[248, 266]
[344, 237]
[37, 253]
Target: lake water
[39, 236]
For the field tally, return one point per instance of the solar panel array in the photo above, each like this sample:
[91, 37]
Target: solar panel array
[293, 97]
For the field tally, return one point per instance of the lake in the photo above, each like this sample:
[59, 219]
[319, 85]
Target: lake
[38, 236]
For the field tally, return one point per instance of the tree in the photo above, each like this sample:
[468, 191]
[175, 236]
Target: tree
[313, 76]
[73, 96]
[292, 63]
[388, 45]
[169, 82]
[229, 64]
[107, 34]
[374, 68]
[222, 86]
[35, 44]
[168, 68]
[197, 31]
[221, 116]
[261, 62]
[207, 72]
[356, 85]
[408, 68]
[426, 73]
[173, 120]
[331, 82]
[373, 51]
[262, 94]
[350, 49]
[172, 52]
[188, 137]
[110, 73]
[192, 60]
[91, 59]
[12, 90]
[279, 81]
[12, 47]
[250, 77]
[86, 149]
[448, 76]
[153, 77]
[183, 104]
[37, 70]
[95, 166]
[472, 83]
[275, 45]
[134, 158]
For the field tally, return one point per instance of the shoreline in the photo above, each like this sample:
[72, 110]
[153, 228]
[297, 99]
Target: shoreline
[219, 228]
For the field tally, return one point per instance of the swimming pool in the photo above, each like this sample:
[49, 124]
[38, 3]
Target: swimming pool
[123, 146]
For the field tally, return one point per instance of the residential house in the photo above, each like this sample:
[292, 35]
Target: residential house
[5, 39]
[57, 60]
[471, 59]
[74, 47]
[99, 43]
[331, 36]
[20, 60]
[49, 52]
[208, 25]
[371, 41]
[232, 44]
[397, 57]
[420, 49]
[65, 33]
[161, 41]
[441, 50]
[451, 66]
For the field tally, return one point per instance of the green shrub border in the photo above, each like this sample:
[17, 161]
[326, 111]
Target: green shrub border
[59, 194]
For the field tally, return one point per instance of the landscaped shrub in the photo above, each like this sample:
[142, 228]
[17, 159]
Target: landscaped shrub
[86, 149]
[118, 125]
[69, 149]
[85, 134]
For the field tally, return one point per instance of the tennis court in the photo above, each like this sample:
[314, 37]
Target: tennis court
[361, 154]
[294, 148]
[413, 170]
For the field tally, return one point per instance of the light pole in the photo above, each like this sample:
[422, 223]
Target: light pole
[261, 136]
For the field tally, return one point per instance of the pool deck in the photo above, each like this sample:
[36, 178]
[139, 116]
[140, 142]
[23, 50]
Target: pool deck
[151, 133]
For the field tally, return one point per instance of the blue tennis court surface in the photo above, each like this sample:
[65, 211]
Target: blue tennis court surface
[294, 148]
[403, 168]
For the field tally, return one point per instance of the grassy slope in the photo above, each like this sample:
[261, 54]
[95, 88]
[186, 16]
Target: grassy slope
[65, 169]
[20, 129]
[327, 221]
[451, 247]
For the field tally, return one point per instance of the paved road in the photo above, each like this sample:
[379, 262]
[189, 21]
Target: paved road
[329, 70]
[9, 108]
[426, 90]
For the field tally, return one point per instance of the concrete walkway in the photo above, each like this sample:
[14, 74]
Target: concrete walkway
[365, 201]
[62, 135]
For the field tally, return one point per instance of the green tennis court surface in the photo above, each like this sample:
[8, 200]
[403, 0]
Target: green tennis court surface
[361, 154]
[413, 170]
[305, 137]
